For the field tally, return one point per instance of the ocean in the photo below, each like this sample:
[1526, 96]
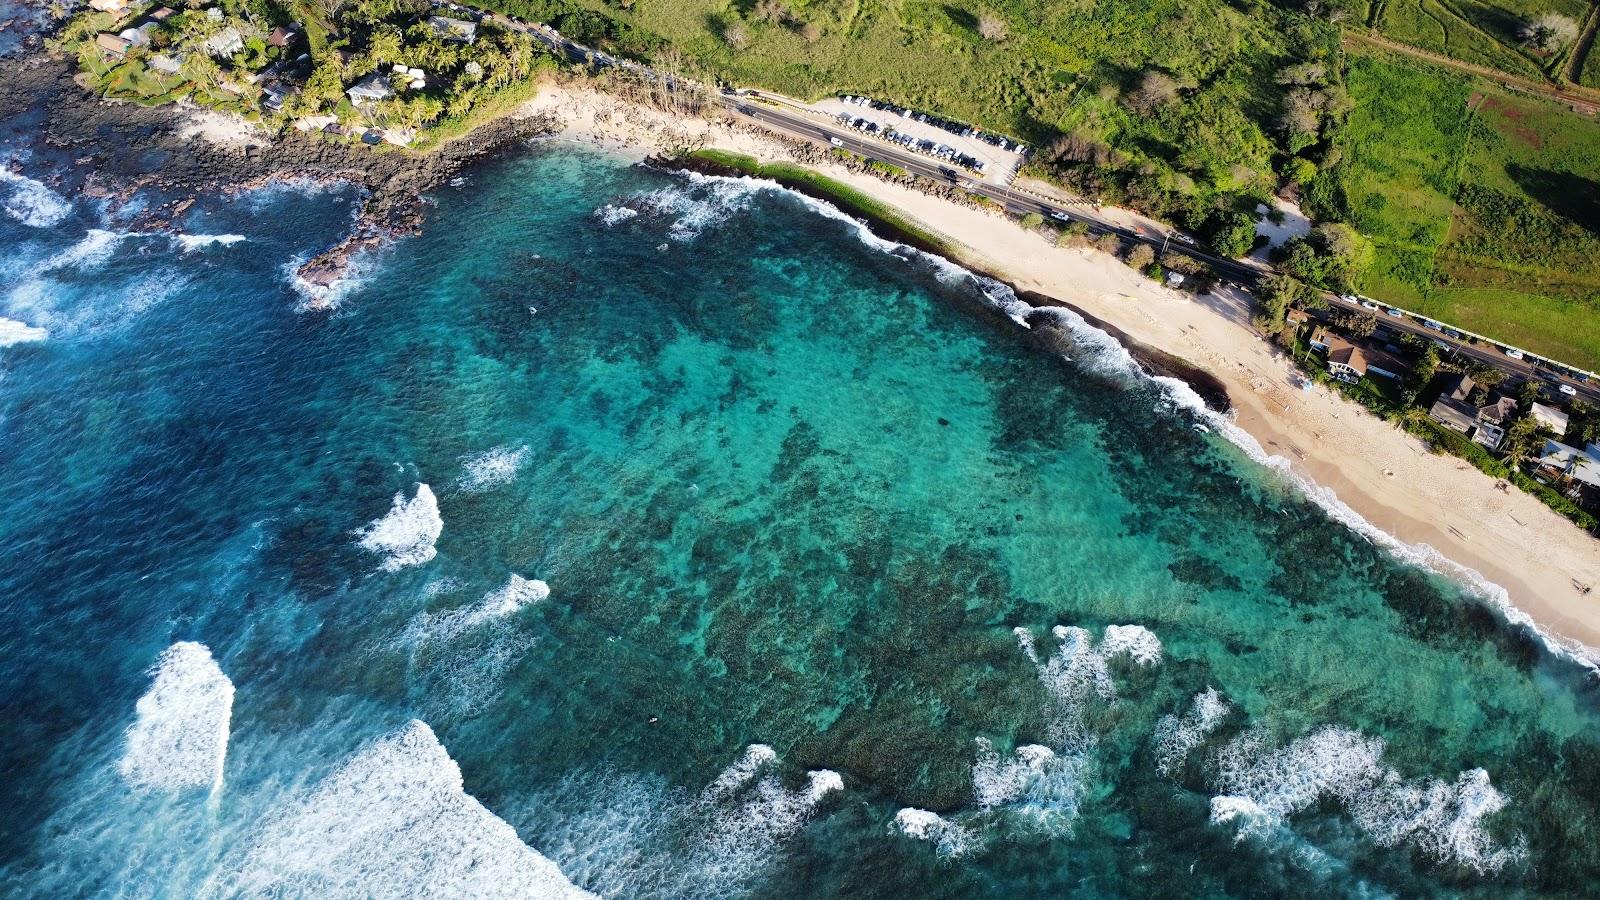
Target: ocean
[636, 534]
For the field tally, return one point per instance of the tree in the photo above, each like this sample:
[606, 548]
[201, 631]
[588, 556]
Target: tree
[772, 12]
[736, 36]
[1140, 256]
[1521, 440]
[1230, 232]
[1107, 243]
[1427, 366]
[1548, 32]
[1358, 324]
[1031, 221]
[992, 27]
[1154, 90]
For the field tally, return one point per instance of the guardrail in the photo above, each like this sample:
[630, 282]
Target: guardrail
[1527, 356]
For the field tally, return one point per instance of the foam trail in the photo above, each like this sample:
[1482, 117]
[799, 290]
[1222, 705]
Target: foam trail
[179, 737]
[1175, 738]
[1262, 788]
[742, 838]
[516, 593]
[406, 534]
[31, 203]
[394, 821]
[949, 839]
[492, 468]
[192, 242]
[95, 249]
[13, 332]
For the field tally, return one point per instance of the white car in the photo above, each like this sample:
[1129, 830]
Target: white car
[1568, 389]
[1368, 304]
[836, 142]
[1182, 238]
[1514, 353]
[1059, 215]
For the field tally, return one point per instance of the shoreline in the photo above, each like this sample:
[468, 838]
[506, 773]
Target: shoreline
[1522, 557]
[1434, 511]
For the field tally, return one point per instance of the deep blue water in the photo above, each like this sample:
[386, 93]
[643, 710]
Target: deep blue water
[792, 495]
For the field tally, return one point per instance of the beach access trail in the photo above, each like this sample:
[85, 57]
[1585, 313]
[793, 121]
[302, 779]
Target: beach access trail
[1383, 474]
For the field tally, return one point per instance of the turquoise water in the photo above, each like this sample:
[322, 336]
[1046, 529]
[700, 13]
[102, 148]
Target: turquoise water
[754, 559]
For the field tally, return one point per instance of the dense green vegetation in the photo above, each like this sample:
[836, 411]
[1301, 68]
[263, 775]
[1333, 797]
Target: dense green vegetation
[1483, 207]
[345, 42]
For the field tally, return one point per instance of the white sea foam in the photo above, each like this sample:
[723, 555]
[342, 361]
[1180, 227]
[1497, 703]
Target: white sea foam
[749, 818]
[492, 468]
[614, 214]
[406, 534]
[702, 202]
[191, 242]
[13, 332]
[1080, 669]
[94, 250]
[1176, 737]
[30, 202]
[949, 839]
[394, 821]
[1036, 785]
[1445, 821]
[499, 603]
[179, 737]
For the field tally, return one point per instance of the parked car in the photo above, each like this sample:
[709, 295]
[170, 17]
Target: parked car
[1369, 305]
[1513, 352]
[1182, 238]
[1396, 313]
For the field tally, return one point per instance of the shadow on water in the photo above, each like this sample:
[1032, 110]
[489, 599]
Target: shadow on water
[1567, 195]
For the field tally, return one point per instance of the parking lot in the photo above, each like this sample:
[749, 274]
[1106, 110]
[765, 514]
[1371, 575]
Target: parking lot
[999, 162]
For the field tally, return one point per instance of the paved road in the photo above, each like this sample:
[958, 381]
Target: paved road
[777, 118]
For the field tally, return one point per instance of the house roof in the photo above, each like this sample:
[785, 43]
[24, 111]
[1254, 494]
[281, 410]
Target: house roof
[1459, 387]
[1347, 355]
[281, 36]
[372, 87]
[1499, 411]
[1455, 413]
[1550, 417]
[111, 43]
[1580, 465]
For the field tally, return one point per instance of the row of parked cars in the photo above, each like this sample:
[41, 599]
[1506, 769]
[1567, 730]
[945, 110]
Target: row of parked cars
[911, 142]
[956, 128]
[1544, 368]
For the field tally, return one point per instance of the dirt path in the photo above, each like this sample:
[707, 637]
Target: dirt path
[1579, 99]
[1585, 44]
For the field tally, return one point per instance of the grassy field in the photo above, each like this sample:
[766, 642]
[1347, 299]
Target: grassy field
[1477, 31]
[1484, 206]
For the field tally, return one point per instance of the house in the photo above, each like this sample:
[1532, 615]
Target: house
[1297, 317]
[370, 89]
[1492, 421]
[111, 45]
[117, 7]
[1549, 418]
[282, 37]
[453, 29]
[1350, 362]
[1452, 409]
[274, 92]
[224, 43]
[161, 13]
[1561, 462]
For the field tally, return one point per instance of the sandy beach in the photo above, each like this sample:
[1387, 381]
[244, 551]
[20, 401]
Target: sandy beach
[1449, 515]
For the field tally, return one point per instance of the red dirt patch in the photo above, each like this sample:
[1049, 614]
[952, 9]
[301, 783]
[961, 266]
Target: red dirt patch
[1513, 117]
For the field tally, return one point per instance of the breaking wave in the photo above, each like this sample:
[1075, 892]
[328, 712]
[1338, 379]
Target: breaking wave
[1262, 788]
[406, 534]
[1176, 737]
[949, 839]
[192, 242]
[701, 203]
[492, 468]
[394, 821]
[30, 202]
[95, 249]
[13, 332]
[516, 593]
[632, 836]
[1078, 669]
[179, 737]
[614, 214]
